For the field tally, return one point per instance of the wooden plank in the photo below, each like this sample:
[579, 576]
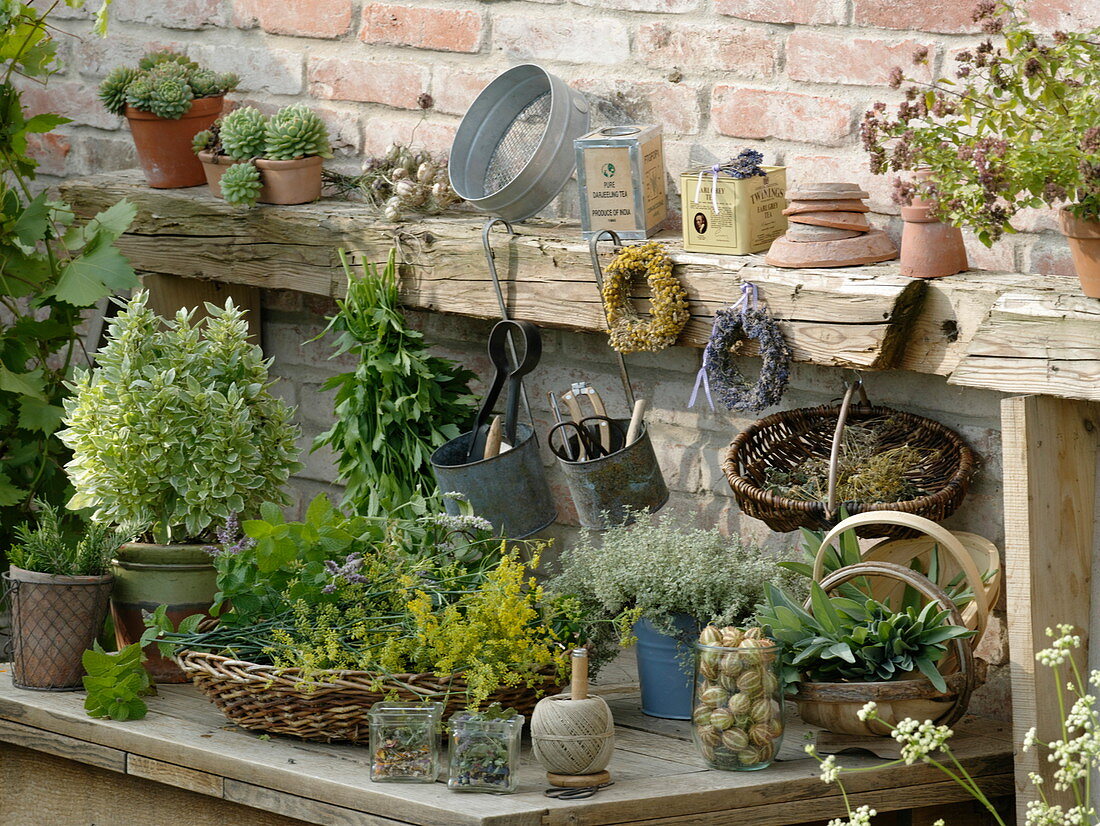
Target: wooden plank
[168, 293]
[1050, 452]
[311, 811]
[856, 317]
[172, 775]
[49, 742]
[39, 789]
[1035, 343]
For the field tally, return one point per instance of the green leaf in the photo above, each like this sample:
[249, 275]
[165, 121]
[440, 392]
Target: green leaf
[33, 222]
[929, 670]
[31, 384]
[45, 122]
[94, 275]
[35, 414]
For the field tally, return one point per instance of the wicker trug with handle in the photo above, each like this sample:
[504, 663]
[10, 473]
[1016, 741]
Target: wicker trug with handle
[786, 440]
[331, 705]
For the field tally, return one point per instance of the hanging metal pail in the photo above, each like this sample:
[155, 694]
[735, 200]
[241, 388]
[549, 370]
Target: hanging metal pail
[509, 490]
[607, 490]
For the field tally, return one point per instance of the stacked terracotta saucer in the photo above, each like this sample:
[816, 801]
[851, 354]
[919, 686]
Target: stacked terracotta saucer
[827, 227]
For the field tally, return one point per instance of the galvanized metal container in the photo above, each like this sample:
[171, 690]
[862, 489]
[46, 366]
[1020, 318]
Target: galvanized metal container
[621, 175]
[513, 150]
[509, 489]
[607, 489]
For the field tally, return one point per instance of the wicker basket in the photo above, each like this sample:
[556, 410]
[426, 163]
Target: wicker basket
[333, 705]
[788, 439]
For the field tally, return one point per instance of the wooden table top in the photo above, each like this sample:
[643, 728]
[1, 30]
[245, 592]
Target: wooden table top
[659, 778]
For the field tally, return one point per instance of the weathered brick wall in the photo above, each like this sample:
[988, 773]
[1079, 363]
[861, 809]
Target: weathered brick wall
[791, 77]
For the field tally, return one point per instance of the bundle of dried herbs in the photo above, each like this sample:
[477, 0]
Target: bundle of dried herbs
[402, 180]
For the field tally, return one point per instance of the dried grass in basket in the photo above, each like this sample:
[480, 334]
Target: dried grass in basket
[331, 705]
[786, 440]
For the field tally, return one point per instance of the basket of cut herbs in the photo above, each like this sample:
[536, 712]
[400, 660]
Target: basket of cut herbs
[318, 620]
[800, 468]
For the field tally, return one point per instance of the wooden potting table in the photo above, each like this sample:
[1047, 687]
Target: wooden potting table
[185, 764]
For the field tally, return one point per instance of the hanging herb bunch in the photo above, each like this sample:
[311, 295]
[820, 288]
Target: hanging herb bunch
[399, 403]
[399, 182]
[627, 331]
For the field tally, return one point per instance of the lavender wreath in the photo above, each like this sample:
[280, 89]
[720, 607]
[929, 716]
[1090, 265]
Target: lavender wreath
[733, 389]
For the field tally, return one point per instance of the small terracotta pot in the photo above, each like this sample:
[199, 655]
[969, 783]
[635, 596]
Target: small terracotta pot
[929, 247]
[290, 182]
[164, 145]
[1084, 243]
[55, 619]
[214, 166]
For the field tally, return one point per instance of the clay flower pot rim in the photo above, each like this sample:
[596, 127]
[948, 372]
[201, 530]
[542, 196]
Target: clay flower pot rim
[1074, 227]
[206, 156]
[18, 574]
[199, 108]
[296, 163]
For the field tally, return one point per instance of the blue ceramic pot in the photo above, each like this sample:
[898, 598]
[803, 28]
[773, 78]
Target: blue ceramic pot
[665, 669]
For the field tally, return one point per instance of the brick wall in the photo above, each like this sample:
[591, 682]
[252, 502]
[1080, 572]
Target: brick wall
[791, 77]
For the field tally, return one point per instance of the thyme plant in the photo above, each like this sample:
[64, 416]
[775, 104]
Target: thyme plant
[397, 406]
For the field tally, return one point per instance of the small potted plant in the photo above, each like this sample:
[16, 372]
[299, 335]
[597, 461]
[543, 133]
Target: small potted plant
[1014, 128]
[250, 158]
[658, 581]
[485, 750]
[167, 100]
[61, 583]
[174, 431]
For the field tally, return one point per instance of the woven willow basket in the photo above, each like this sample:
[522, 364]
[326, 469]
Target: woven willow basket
[332, 705]
[786, 440]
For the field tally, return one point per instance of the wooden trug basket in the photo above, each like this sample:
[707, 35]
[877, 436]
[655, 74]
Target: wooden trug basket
[331, 705]
[788, 439]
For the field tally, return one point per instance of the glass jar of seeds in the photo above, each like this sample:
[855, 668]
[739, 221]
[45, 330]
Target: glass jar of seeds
[485, 751]
[405, 742]
[737, 717]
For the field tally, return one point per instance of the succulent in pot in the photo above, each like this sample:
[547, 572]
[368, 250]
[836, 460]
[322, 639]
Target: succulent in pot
[167, 100]
[251, 158]
[60, 577]
[659, 581]
[1014, 128]
[174, 431]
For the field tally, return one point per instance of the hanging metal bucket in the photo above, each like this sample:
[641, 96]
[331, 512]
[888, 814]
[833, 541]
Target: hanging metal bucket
[509, 489]
[608, 490]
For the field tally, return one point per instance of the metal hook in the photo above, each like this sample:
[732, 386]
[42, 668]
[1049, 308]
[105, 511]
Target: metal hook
[491, 261]
[624, 374]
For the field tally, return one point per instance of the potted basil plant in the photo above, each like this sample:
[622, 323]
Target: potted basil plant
[658, 582]
[167, 99]
[1015, 127]
[174, 431]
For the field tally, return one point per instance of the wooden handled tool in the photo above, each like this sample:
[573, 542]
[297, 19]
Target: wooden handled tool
[496, 434]
[637, 419]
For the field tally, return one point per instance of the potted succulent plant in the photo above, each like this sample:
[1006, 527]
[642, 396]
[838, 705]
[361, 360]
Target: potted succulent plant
[167, 99]
[659, 582]
[173, 432]
[61, 585]
[250, 158]
[1014, 128]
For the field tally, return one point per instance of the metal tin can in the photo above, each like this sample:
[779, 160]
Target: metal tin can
[621, 176]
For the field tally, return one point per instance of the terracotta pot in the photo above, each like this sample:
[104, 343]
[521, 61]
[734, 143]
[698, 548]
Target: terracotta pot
[55, 619]
[929, 247]
[1084, 243]
[214, 166]
[164, 145]
[181, 577]
[290, 182]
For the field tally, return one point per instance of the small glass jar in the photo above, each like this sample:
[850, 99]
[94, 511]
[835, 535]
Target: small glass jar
[737, 716]
[484, 754]
[405, 742]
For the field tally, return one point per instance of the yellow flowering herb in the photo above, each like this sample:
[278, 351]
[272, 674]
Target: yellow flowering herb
[627, 331]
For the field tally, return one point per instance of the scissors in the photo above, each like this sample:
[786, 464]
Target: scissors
[581, 440]
[505, 374]
[582, 793]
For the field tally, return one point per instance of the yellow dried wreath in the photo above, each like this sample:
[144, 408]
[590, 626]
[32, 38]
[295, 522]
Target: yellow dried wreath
[627, 331]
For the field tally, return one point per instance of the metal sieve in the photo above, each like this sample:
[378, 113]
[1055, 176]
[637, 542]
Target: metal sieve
[513, 151]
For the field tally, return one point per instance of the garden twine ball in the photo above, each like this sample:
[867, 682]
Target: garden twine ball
[572, 737]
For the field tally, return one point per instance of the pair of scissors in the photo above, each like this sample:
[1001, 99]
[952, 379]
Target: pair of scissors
[582, 793]
[505, 374]
[582, 440]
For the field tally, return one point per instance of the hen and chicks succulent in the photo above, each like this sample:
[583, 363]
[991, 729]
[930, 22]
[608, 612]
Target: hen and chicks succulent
[164, 84]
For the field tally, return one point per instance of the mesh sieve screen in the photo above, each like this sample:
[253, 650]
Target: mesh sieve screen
[517, 145]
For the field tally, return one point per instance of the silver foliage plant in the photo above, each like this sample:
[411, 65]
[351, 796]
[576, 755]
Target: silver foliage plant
[176, 428]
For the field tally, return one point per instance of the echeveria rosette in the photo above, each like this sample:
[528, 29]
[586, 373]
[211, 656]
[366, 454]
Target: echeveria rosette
[203, 141]
[296, 132]
[241, 184]
[1015, 128]
[243, 133]
[176, 427]
[171, 98]
[152, 60]
[164, 83]
[112, 91]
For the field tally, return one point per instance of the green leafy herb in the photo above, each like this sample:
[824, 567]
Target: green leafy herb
[49, 549]
[397, 406]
